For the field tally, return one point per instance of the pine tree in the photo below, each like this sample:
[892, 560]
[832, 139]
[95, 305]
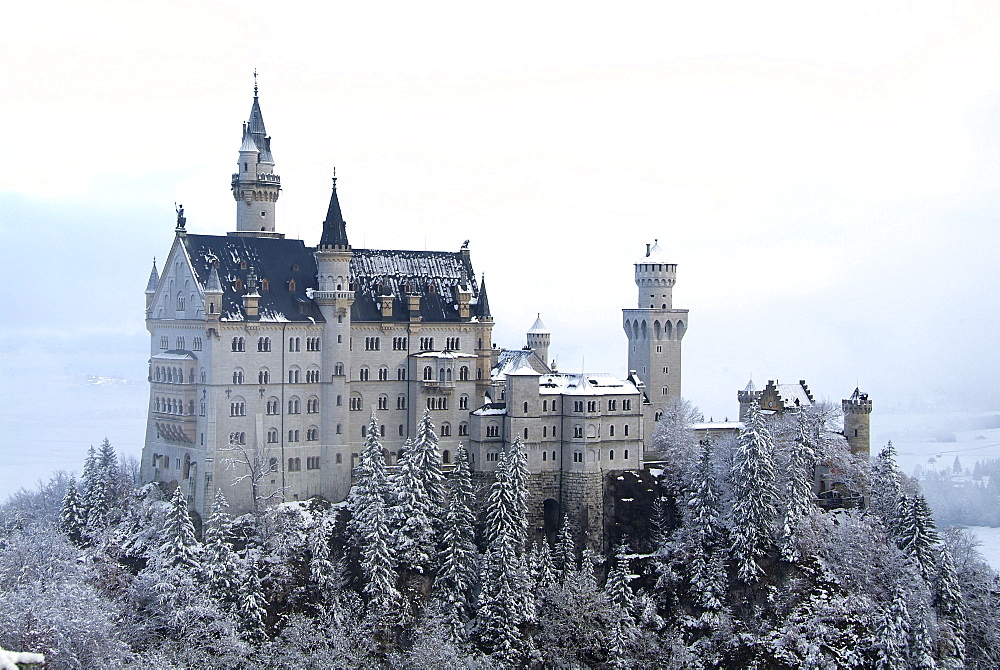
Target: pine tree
[950, 608]
[617, 587]
[893, 636]
[753, 512]
[221, 567]
[886, 490]
[703, 520]
[410, 518]
[798, 502]
[378, 567]
[178, 547]
[251, 605]
[90, 496]
[71, 515]
[917, 536]
[323, 572]
[565, 551]
[370, 483]
[503, 601]
[458, 575]
[543, 570]
[427, 459]
[517, 467]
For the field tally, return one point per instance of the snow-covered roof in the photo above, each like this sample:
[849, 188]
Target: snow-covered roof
[492, 409]
[589, 384]
[791, 393]
[248, 144]
[538, 326]
[718, 425]
[656, 254]
[443, 354]
[175, 355]
[511, 360]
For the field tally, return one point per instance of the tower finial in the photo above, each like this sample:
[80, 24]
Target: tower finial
[335, 177]
[255, 82]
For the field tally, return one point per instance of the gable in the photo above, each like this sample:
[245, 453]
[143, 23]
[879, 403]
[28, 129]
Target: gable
[179, 293]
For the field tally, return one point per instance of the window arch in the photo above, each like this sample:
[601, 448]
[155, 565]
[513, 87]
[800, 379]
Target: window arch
[446, 429]
[463, 373]
[383, 373]
[428, 373]
[446, 457]
[312, 405]
[237, 376]
[272, 435]
[463, 429]
[364, 373]
[264, 376]
[293, 405]
[338, 370]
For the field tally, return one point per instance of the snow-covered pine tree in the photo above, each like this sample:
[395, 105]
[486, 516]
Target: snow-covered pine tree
[517, 467]
[798, 494]
[427, 458]
[324, 573]
[704, 524]
[378, 568]
[502, 601]
[950, 608]
[458, 575]
[370, 482]
[893, 636]
[886, 489]
[178, 547]
[411, 517]
[71, 519]
[916, 535]
[617, 584]
[752, 481]
[90, 495]
[543, 570]
[564, 554]
[251, 605]
[220, 565]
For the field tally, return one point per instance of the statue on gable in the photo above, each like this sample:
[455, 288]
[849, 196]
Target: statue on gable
[181, 220]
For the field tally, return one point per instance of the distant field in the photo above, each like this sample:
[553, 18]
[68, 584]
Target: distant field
[932, 441]
[990, 548]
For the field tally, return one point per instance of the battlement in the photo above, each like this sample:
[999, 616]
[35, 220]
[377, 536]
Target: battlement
[858, 403]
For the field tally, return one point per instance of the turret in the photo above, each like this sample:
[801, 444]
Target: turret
[539, 338]
[748, 396]
[655, 279]
[213, 296]
[255, 186]
[857, 422]
[154, 280]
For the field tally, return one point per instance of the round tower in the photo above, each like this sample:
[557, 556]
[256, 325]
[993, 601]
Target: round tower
[255, 186]
[857, 422]
[539, 338]
[655, 330]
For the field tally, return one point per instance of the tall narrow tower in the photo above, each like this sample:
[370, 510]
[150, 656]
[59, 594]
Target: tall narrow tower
[857, 422]
[334, 298]
[539, 338]
[655, 330]
[255, 186]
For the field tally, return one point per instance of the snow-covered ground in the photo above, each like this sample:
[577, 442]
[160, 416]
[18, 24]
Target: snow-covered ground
[933, 440]
[990, 547]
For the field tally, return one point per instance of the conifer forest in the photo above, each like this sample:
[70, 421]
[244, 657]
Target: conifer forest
[427, 565]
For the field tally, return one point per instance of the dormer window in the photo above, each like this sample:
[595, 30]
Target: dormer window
[238, 284]
[291, 283]
[265, 284]
[243, 265]
[295, 267]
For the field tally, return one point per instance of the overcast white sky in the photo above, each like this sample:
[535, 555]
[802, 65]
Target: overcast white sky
[824, 174]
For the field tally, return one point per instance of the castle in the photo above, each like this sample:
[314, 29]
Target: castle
[267, 358]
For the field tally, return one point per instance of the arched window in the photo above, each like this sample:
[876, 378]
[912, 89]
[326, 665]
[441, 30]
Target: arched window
[446, 457]
[578, 457]
[526, 408]
[272, 435]
[401, 402]
[293, 405]
[463, 429]
[441, 374]
[191, 407]
[626, 430]
[428, 373]
[401, 373]
[383, 402]
[626, 454]
[611, 455]
[611, 430]
[577, 431]
[238, 376]
[545, 456]
[526, 433]
[383, 373]
[463, 373]
[363, 374]
[338, 369]
[445, 430]
[463, 401]
[264, 376]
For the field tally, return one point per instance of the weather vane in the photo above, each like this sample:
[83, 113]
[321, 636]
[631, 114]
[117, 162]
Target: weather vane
[255, 82]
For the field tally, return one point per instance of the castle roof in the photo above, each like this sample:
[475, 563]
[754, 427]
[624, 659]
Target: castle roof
[334, 226]
[513, 361]
[254, 129]
[436, 276]
[286, 264]
[654, 254]
[587, 383]
[154, 279]
[538, 326]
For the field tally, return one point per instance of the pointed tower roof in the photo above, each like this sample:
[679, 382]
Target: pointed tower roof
[254, 129]
[213, 285]
[483, 303]
[538, 326]
[248, 143]
[334, 227]
[750, 388]
[154, 279]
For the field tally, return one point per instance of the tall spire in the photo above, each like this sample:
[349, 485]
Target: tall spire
[334, 227]
[154, 279]
[255, 186]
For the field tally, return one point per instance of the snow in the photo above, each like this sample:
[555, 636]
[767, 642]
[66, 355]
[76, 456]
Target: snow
[990, 547]
[272, 316]
[10, 659]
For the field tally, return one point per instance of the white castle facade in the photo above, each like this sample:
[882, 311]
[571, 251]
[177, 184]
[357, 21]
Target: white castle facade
[268, 355]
